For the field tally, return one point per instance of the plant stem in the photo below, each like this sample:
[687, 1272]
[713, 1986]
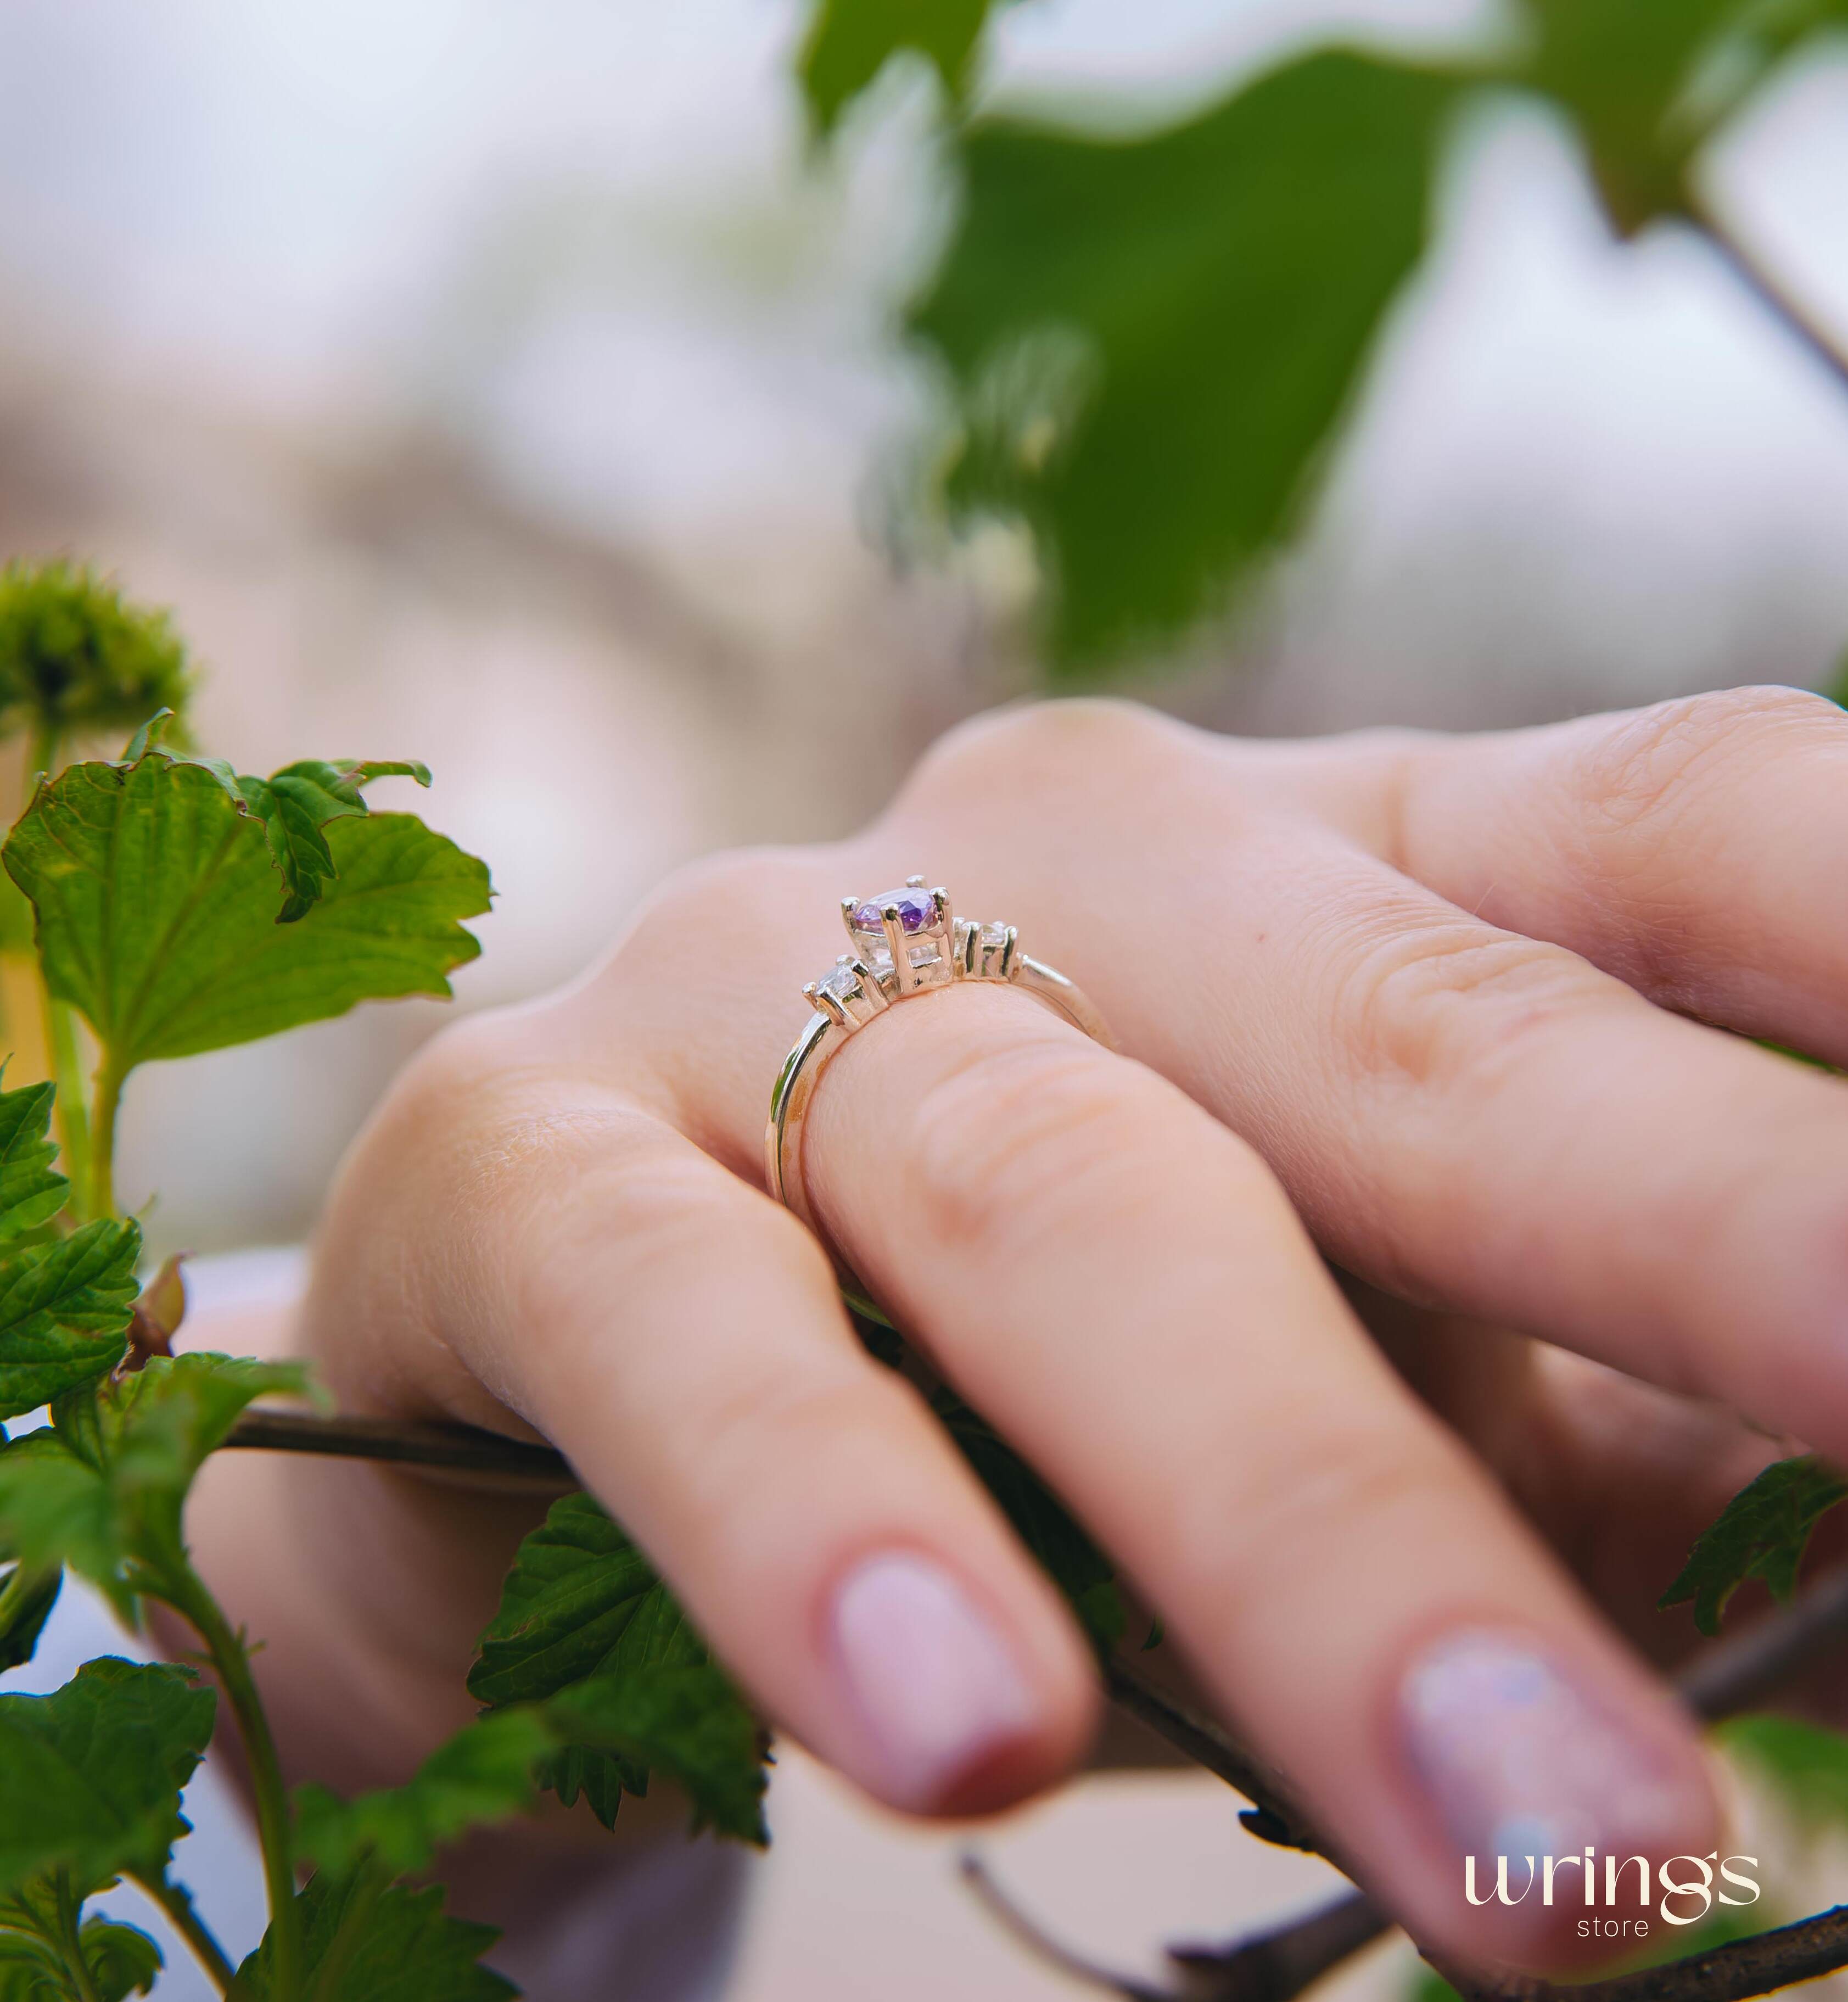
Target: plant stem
[186, 1922]
[67, 1073]
[103, 1138]
[185, 1591]
[43, 754]
[1769, 289]
[71, 1940]
[466, 1449]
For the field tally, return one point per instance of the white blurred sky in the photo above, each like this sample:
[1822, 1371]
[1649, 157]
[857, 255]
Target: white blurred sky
[577, 236]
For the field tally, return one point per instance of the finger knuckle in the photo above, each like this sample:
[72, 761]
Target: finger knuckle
[1659, 763]
[727, 894]
[1031, 1143]
[1441, 1003]
[1041, 743]
[1306, 1486]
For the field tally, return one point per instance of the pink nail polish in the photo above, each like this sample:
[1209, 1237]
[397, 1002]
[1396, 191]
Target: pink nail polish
[935, 1687]
[1522, 1759]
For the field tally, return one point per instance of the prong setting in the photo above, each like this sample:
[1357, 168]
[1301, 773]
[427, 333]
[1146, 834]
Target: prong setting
[906, 940]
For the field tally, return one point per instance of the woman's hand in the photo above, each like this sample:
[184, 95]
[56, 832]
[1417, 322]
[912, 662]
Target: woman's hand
[1418, 1006]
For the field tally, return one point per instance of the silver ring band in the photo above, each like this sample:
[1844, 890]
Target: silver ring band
[906, 941]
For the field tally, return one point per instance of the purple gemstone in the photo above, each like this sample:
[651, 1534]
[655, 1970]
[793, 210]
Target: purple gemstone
[916, 911]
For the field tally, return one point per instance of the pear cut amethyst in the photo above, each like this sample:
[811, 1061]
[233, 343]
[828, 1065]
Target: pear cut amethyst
[916, 911]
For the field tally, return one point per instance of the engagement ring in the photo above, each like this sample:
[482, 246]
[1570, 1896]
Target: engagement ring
[905, 942]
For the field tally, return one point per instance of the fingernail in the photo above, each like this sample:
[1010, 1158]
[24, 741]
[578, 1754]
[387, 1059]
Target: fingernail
[1521, 1759]
[935, 1686]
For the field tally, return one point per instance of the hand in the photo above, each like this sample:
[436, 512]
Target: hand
[1422, 1006]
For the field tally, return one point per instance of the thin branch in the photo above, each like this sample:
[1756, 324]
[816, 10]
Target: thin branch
[464, 1449]
[1279, 1819]
[1731, 1973]
[1733, 1675]
[1277, 1965]
[1742, 1671]
[1770, 291]
[1040, 1943]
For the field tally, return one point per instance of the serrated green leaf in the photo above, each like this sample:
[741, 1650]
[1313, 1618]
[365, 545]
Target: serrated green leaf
[687, 1722]
[32, 1192]
[1806, 1765]
[1151, 340]
[406, 1949]
[1041, 1520]
[482, 1776]
[155, 892]
[582, 1605]
[56, 1510]
[1762, 1532]
[109, 1504]
[121, 1959]
[158, 1427]
[26, 1599]
[63, 1309]
[850, 41]
[90, 1775]
[296, 805]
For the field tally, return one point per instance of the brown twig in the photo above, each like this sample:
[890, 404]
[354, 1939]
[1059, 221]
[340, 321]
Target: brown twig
[461, 1449]
[1010, 1918]
[1734, 1972]
[1770, 291]
[1278, 1819]
[1277, 1965]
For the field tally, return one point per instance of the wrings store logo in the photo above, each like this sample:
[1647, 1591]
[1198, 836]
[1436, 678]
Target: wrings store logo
[1685, 1899]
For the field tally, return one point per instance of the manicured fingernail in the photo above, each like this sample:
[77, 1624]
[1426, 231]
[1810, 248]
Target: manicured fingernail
[935, 1686]
[1522, 1760]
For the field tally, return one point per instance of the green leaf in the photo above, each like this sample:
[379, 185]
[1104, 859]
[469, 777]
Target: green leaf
[583, 1604]
[26, 1598]
[406, 1949]
[1042, 1522]
[108, 1503]
[32, 1192]
[1762, 1532]
[1649, 81]
[63, 1309]
[687, 1722]
[56, 1510]
[76, 657]
[1150, 340]
[483, 1775]
[90, 1775]
[850, 41]
[158, 1427]
[296, 804]
[1622, 71]
[155, 891]
[122, 1960]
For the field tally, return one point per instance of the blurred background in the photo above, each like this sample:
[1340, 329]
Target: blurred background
[509, 387]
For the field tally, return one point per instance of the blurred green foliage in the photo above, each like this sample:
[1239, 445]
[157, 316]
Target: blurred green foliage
[77, 661]
[1149, 340]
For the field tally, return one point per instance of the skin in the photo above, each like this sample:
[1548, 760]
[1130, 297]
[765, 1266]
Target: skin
[1436, 1011]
